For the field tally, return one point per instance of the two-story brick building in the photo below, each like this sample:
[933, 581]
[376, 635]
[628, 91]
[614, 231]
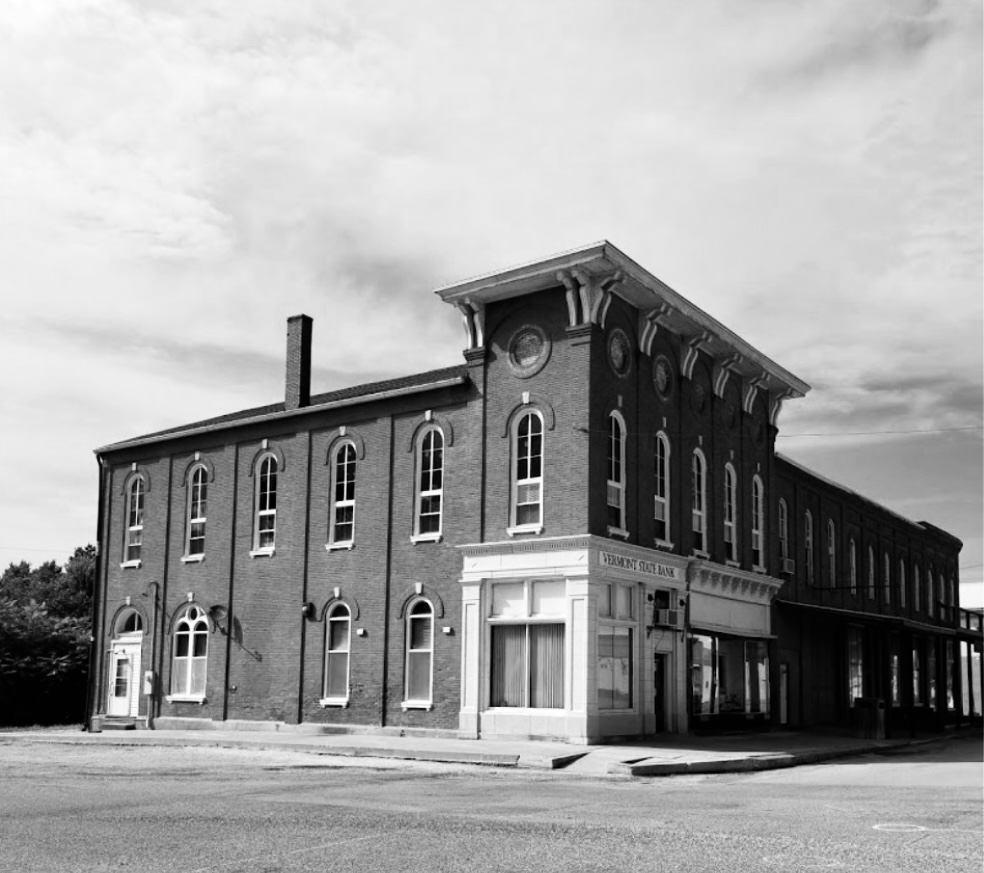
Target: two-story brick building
[583, 531]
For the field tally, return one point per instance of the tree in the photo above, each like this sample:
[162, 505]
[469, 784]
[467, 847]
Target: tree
[45, 628]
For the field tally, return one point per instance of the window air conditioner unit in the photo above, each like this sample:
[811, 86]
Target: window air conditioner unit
[788, 566]
[667, 618]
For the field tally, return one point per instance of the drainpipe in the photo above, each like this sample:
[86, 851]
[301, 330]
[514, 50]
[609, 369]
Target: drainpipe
[688, 667]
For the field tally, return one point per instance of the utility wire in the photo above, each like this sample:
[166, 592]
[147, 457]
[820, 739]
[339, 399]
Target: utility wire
[867, 432]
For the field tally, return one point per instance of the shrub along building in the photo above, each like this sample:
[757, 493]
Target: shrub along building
[583, 532]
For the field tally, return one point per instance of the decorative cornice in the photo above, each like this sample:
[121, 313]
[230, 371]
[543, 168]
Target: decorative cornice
[691, 352]
[649, 323]
[723, 367]
[751, 391]
[473, 320]
[722, 581]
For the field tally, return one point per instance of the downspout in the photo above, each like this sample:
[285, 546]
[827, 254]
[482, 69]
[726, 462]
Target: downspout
[304, 583]
[688, 667]
[230, 615]
[387, 581]
[155, 700]
[94, 667]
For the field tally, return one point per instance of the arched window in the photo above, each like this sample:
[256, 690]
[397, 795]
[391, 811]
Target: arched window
[852, 563]
[808, 545]
[661, 508]
[197, 511]
[730, 513]
[871, 573]
[134, 521]
[429, 498]
[128, 622]
[338, 642]
[189, 655]
[901, 583]
[699, 510]
[527, 474]
[341, 513]
[616, 474]
[420, 655]
[265, 524]
[930, 593]
[887, 577]
[758, 523]
[783, 532]
[916, 589]
[832, 552]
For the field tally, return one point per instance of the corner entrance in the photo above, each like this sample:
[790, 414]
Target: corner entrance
[124, 678]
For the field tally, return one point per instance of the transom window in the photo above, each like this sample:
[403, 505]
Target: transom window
[420, 655]
[338, 641]
[341, 524]
[265, 529]
[730, 513]
[698, 513]
[527, 479]
[758, 523]
[430, 485]
[134, 521]
[129, 622]
[190, 654]
[661, 508]
[616, 474]
[197, 511]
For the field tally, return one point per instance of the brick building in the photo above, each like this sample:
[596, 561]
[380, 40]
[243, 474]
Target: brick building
[583, 531]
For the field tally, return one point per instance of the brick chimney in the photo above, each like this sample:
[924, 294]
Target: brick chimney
[298, 386]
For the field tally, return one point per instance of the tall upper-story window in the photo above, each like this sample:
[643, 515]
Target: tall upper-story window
[871, 573]
[429, 502]
[852, 564]
[808, 545]
[887, 577]
[661, 509]
[265, 524]
[134, 520]
[758, 523]
[197, 511]
[730, 513]
[527, 473]
[930, 593]
[916, 588]
[616, 474]
[901, 583]
[699, 511]
[341, 524]
[783, 531]
[832, 551]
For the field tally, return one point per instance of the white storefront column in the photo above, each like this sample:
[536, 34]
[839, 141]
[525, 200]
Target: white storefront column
[471, 657]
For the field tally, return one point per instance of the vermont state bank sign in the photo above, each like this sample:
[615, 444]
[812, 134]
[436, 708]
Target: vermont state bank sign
[638, 565]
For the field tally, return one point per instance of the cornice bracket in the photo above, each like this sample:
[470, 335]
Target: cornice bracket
[473, 320]
[723, 368]
[751, 391]
[691, 352]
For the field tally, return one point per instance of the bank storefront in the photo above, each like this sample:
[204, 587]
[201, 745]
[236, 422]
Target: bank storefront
[584, 639]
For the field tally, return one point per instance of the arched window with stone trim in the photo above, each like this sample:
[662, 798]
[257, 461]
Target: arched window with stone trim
[429, 484]
[758, 523]
[661, 509]
[831, 553]
[341, 521]
[338, 647]
[808, 545]
[852, 564]
[265, 519]
[189, 654]
[698, 514]
[134, 521]
[197, 511]
[730, 513]
[526, 487]
[616, 474]
[419, 665]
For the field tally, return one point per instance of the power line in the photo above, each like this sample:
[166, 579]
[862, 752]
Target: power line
[873, 432]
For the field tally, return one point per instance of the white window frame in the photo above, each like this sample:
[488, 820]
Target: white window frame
[730, 514]
[758, 524]
[334, 617]
[411, 616]
[871, 573]
[808, 546]
[335, 505]
[852, 560]
[427, 436]
[523, 485]
[133, 538]
[197, 512]
[832, 552]
[661, 500]
[783, 529]
[615, 486]
[261, 501]
[194, 622]
[698, 513]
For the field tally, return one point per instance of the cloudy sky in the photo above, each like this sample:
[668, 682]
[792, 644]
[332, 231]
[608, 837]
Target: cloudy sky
[178, 178]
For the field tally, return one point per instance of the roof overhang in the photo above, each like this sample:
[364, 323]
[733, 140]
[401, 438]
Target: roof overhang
[599, 269]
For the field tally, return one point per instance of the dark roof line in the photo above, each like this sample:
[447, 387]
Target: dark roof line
[368, 392]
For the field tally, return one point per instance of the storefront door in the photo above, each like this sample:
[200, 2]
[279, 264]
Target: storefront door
[124, 676]
[659, 691]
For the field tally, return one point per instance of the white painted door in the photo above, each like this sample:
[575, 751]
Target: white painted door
[124, 678]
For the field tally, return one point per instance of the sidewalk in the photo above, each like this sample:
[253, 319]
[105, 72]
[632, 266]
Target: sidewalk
[665, 756]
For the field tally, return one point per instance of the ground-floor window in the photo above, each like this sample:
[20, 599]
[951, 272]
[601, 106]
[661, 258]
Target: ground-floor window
[916, 677]
[893, 662]
[614, 667]
[855, 664]
[528, 665]
[951, 703]
[931, 674]
[728, 675]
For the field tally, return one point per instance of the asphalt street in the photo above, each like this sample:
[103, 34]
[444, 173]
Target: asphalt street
[196, 810]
